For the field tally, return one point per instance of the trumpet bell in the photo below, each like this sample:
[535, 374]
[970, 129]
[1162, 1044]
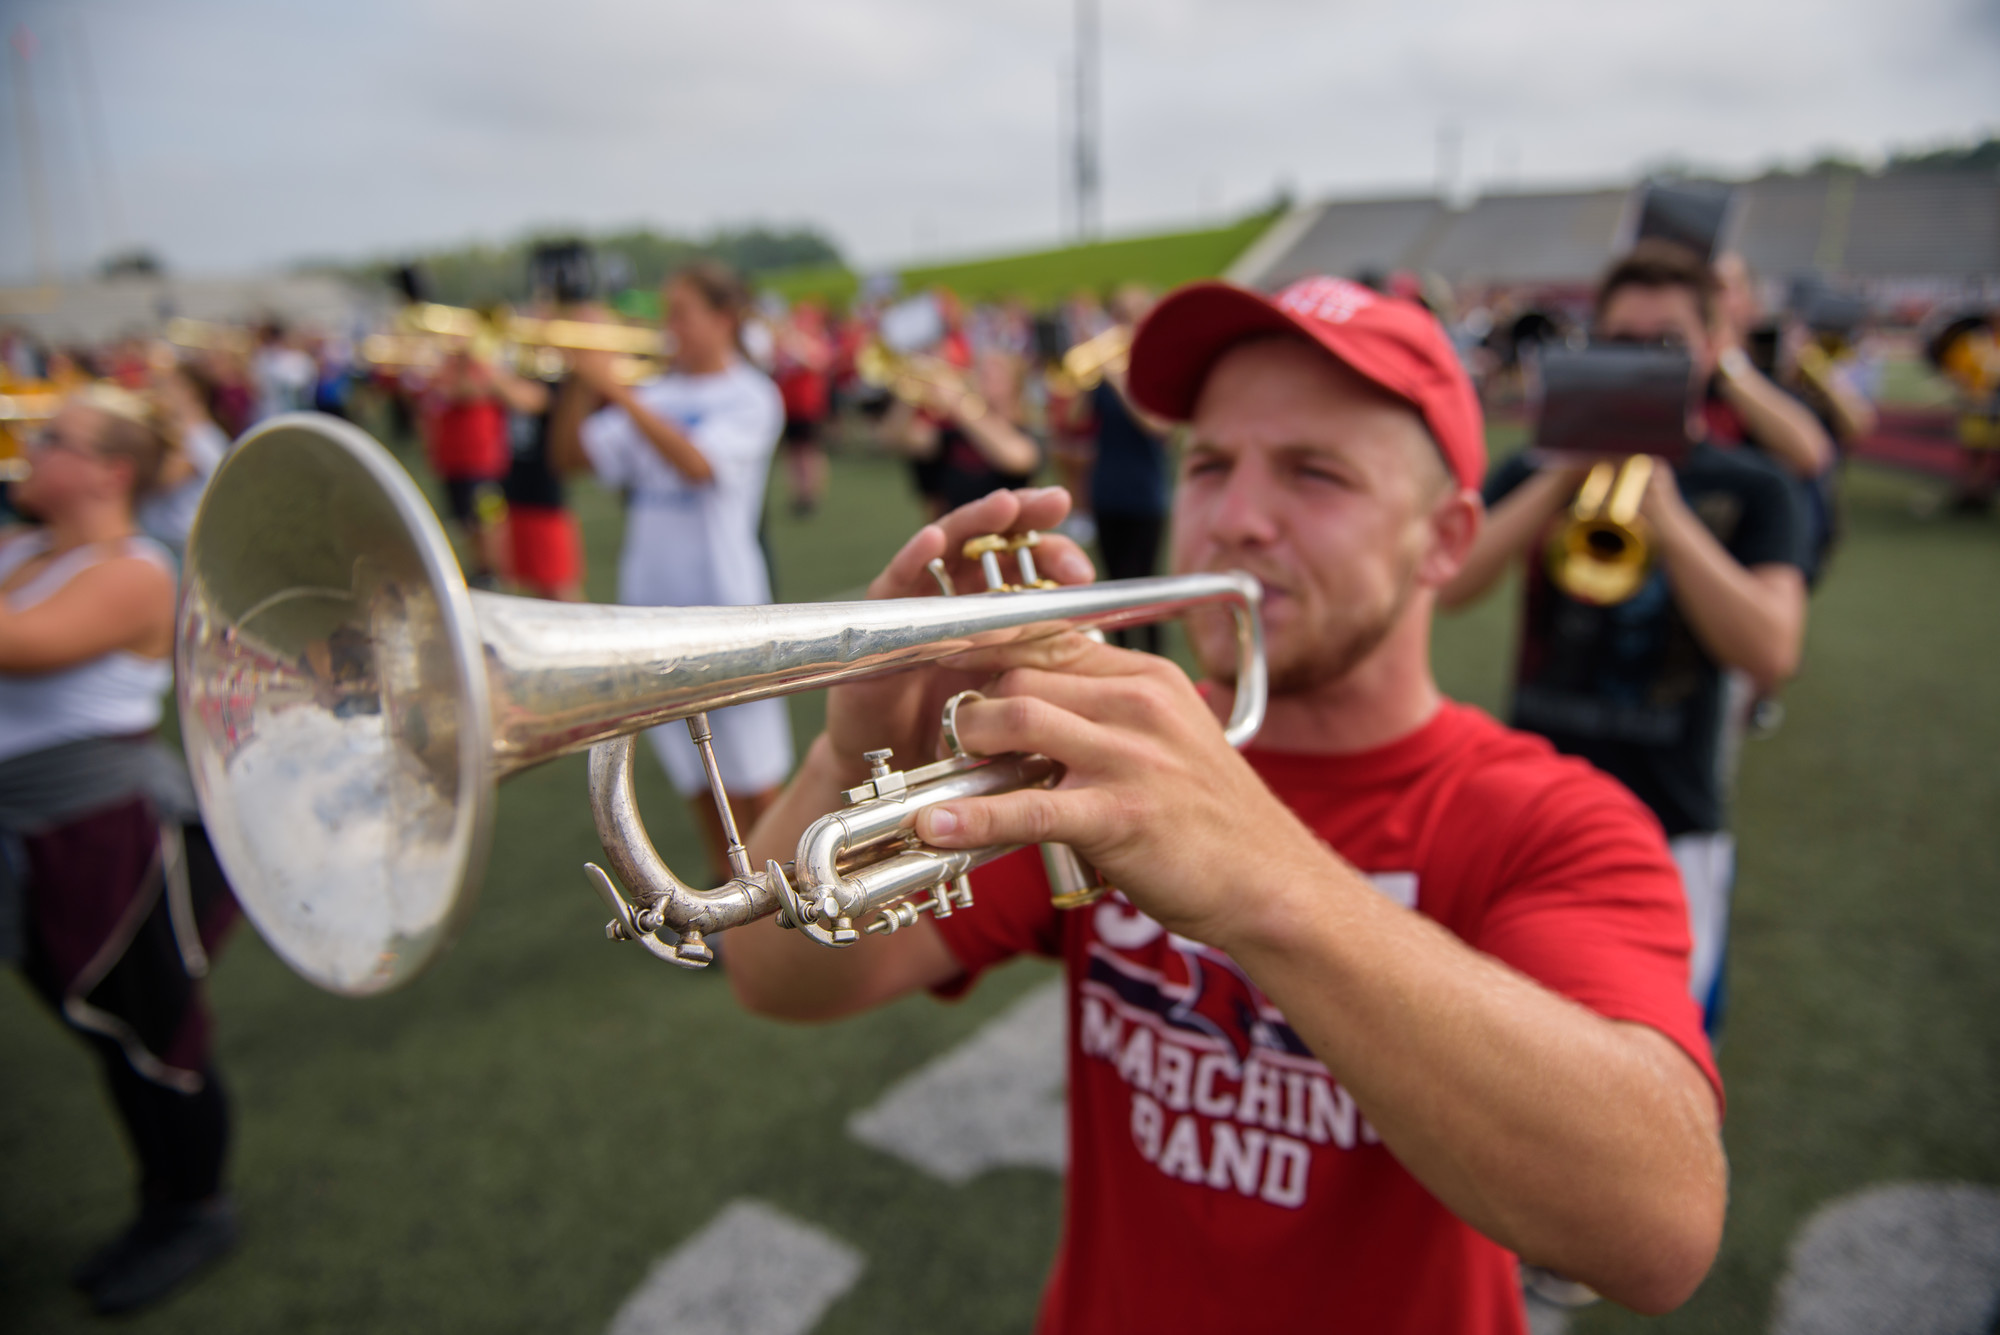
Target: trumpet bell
[333, 704]
[1599, 561]
[1603, 554]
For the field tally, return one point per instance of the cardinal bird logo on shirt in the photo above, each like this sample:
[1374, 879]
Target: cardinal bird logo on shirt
[1191, 987]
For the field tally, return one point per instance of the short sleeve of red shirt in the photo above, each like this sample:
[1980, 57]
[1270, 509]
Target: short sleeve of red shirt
[1011, 916]
[1592, 906]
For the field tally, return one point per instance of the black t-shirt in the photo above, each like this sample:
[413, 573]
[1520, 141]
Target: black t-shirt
[1820, 496]
[1129, 476]
[531, 480]
[1628, 687]
[962, 474]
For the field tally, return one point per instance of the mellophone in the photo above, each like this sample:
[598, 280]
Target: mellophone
[348, 707]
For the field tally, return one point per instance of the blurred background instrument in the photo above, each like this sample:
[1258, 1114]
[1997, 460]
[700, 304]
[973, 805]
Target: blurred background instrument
[1603, 552]
[1084, 366]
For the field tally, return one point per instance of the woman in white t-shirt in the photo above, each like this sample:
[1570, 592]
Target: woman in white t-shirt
[691, 450]
[199, 445]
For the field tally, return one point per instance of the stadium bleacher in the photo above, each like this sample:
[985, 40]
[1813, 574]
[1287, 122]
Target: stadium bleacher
[1900, 227]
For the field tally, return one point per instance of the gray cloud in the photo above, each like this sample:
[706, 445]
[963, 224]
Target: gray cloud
[246, 134]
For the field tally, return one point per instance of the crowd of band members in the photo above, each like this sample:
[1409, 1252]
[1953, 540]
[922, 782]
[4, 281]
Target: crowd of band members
[1657, 691]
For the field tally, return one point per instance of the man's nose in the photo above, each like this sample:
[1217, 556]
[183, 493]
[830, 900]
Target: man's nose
[1245, 513]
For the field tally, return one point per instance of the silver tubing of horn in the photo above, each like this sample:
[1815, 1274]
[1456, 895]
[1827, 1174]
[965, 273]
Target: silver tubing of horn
[565, 676]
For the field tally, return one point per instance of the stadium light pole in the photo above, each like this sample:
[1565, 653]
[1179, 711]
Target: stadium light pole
[31, 157]
[1085, 118]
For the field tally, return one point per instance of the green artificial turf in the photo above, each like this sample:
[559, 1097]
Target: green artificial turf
[510, 1142]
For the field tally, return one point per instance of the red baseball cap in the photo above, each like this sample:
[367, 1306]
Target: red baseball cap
[1394, 343]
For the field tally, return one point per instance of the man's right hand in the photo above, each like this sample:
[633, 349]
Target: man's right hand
[902, 711]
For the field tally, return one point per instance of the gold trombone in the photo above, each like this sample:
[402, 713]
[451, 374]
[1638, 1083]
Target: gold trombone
[914, 377]
[22, 406]
[207, 335]
[1084, 366]
[1603, 554]
[426, 329]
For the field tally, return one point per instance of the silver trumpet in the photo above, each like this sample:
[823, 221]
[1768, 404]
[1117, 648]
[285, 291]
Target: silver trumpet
[348, 707]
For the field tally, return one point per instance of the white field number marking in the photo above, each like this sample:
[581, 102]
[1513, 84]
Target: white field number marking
[754, 1270]
[995, 1101]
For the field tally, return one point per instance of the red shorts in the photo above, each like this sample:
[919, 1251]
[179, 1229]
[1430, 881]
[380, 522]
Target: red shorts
[547, 547]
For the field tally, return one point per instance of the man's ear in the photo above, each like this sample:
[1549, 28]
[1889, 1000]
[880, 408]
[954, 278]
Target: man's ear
[1454, 523]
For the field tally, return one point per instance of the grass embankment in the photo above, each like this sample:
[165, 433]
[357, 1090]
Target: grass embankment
[510, 1142]
[1045, 277]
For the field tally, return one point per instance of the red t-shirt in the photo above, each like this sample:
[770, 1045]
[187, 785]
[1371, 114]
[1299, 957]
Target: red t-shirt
[1220, 1178]
[804, 391]
[468, 439]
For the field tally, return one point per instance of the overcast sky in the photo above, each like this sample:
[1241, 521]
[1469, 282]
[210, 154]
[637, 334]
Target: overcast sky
[243, 134]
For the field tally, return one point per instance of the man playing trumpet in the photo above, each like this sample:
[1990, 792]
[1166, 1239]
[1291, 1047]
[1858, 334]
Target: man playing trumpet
[1392, 998]
[1642, 689]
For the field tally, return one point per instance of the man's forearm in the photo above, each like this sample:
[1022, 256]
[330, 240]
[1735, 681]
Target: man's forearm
[1583, 1145]
[1746, 620]
[1781, 424]
[680, 454]
[1002, 444]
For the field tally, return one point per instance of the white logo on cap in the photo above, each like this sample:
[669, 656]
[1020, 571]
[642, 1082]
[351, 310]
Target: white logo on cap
[1330, 300]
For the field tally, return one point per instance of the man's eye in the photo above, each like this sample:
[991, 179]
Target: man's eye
[1206, 467]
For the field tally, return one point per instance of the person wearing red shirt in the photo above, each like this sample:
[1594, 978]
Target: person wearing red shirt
[1384, 1007]
[804, 377]
[465, 440]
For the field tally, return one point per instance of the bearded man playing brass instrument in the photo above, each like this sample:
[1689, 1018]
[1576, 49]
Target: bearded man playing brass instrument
[1381, 1004]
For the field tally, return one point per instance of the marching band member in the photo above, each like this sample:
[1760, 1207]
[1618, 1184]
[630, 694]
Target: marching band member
[464, 423]
[1744, 407]
[1966, 352]
[114, 938]
[198, 447]
[544, 543]
[1129, 477]
[1640, 688]
[956, 419]
[691, 449]
[1387, 1001]
[804, 365]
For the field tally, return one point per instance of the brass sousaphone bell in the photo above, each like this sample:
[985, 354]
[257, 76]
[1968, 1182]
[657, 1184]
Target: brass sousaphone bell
[348, 706]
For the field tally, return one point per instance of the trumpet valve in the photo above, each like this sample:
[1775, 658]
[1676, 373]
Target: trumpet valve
[986, 550]
[1023, 547]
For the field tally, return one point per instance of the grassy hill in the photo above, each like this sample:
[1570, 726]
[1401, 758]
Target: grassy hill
[1045, 277]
